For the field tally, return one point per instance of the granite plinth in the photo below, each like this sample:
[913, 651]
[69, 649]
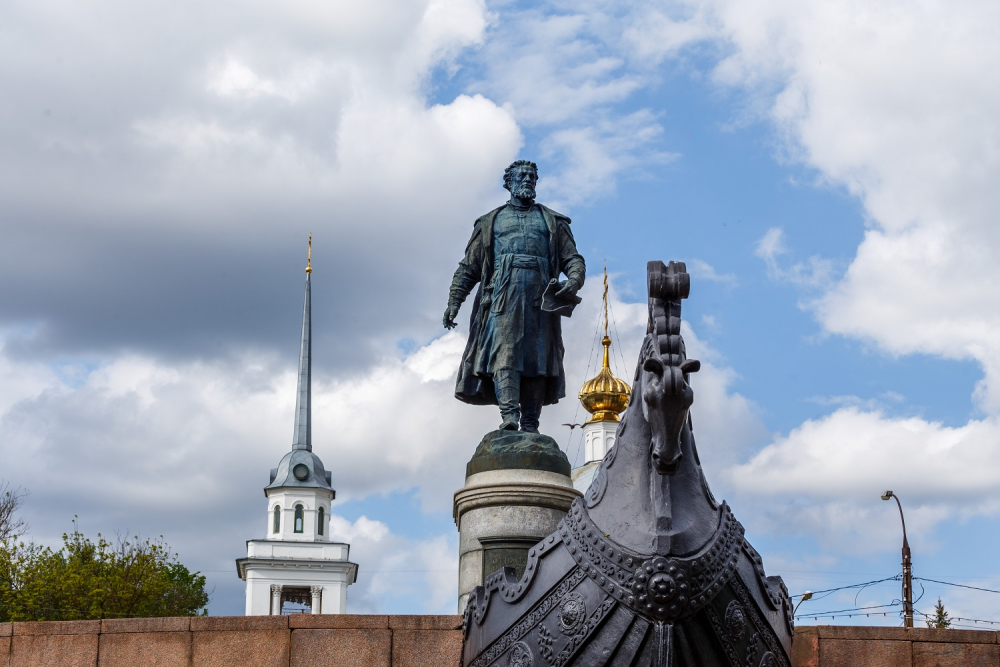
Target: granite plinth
[133, 625]
[416, 648]
[147, 648]
[391, 641]
[362, 648]
[805, 647]
[240, 647]
[864, 653]
[338, 621]
[500, 515]
[927, 654]
[53, 650]
[518, 450]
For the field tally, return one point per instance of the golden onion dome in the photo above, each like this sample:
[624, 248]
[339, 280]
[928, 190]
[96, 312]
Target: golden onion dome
[605, 396]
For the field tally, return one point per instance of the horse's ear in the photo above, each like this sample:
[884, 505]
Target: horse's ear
[691, 366]
[653, 365]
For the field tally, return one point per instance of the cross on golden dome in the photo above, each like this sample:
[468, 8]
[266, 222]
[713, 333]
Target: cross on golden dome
[605, 396]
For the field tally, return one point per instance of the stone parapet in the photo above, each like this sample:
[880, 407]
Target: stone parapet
[167, 624]
[338, 621]
[877, 646]
[409, 641]
[130, 649]
[58, 628]
[301, 640]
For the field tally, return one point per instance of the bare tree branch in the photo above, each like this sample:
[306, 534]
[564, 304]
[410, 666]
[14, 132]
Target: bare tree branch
[11, 499]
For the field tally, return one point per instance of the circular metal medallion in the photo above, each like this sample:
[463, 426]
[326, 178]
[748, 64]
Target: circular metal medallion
[301, 471]
[519, 655]
[572, 614]
[660, 587]
[736, 621]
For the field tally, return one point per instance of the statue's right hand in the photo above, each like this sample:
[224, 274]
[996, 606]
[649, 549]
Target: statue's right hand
[449, 317]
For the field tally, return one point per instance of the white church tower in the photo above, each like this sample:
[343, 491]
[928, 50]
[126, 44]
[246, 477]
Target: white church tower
[297, 562]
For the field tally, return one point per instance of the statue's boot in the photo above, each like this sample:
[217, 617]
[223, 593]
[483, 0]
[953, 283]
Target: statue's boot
[508, 388]
[532, 396]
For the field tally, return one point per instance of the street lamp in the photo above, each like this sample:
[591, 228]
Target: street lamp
[808, 595]
[907, 567]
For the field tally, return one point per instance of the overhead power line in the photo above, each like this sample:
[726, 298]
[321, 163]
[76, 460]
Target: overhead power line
[866, 611]
[948, 583]
[960, 618]
[849, 586]
[846, 611]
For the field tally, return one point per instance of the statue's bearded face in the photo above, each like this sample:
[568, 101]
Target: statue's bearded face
[523, 182]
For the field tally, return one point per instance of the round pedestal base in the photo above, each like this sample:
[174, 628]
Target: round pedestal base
[500, 515]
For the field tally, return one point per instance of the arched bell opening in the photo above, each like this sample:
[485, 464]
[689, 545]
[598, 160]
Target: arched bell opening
[299, 519]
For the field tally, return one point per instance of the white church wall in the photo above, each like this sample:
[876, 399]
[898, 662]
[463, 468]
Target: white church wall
[258, 597]
[598, 438]
[334, 598]
[315, 550]
[334, 576]
[312, 500]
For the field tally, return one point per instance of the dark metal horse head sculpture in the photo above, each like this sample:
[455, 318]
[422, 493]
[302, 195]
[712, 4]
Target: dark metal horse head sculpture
[648, 568]
[666, 398]
[666, 394]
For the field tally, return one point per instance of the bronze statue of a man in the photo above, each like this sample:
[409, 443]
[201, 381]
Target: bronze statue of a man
[514, 357]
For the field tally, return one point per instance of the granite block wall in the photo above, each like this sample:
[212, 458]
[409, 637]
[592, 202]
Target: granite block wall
[301, 640]
[407, 641]
[854, 646]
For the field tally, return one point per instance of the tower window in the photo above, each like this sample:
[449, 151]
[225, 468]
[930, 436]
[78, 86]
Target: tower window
[276, 528]
[299, 519]
[322, 517]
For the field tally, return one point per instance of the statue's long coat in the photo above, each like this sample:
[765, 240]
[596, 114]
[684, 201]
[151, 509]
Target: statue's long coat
[477, 267]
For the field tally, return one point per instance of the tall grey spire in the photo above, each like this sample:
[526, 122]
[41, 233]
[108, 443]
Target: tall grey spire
[300, 467]
[302, 438]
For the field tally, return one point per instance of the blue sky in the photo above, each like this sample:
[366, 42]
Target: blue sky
[826, 170]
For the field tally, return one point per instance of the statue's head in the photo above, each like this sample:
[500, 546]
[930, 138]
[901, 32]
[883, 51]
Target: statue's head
[520, 178]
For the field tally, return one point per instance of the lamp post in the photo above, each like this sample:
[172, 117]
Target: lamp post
[805, 596]
[907, 567]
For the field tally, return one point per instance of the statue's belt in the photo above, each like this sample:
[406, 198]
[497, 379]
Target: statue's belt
[520, 261]
[500, 285]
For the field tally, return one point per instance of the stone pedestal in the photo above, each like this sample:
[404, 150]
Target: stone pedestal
[517, 489]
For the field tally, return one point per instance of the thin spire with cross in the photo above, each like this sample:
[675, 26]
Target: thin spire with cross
[302, 438]
[309, 259]
[605, 299]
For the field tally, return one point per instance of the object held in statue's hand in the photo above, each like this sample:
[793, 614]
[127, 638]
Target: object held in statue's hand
[561, 304]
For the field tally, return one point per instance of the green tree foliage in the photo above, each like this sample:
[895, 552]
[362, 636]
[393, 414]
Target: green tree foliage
[940, 619]
[88, 580]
